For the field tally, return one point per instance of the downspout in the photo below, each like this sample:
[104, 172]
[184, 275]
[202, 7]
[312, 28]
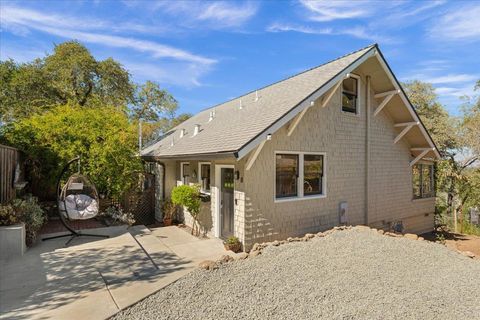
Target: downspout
[367, 152]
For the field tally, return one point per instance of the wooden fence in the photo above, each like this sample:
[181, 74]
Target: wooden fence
[9, 159]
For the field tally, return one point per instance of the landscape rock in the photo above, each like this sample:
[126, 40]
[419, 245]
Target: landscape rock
[275, 243]
[362, 228]
[380, 231]
[309, 235]
[225, 259]
[468, 254]
[255, 253]
[320, 234]
[410, 236]
[242, 256]
[208, 265]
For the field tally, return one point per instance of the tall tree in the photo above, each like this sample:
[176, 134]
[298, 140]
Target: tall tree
[155, 110]
[458, 142]
[69, 75]
[436, 119]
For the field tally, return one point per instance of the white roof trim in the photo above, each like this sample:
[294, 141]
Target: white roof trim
[304, 104]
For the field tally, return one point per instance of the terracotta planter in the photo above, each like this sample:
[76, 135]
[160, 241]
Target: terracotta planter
[167, 222]
[12, 241]
[233, 247]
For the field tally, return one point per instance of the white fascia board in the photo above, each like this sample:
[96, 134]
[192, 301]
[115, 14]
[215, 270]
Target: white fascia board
[242, 152]
[405, 100]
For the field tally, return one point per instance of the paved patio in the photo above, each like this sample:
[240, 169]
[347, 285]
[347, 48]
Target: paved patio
[94, 279]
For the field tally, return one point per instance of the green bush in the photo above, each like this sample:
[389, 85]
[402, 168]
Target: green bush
[8, 216]
[232, 241]
[103, 136]
[188, 197]
[31, 214]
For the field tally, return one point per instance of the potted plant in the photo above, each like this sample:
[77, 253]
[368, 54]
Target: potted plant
[232, 243]
[12, 233]
[169, 212]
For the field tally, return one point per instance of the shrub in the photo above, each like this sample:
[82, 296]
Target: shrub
[31, 214]
[103, 136]
[8, 216]
[188, 197]
[169, 209]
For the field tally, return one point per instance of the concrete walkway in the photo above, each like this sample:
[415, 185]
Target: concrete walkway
[94, 279]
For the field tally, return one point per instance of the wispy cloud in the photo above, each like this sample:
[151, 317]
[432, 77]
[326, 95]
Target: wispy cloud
[442, 79]
[192, 66]
[21, 18]
[357, 32]
[210, 15]
[461, 23]
[320, 10]
[173, 73]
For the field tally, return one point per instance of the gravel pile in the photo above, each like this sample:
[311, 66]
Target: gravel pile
[351, 274]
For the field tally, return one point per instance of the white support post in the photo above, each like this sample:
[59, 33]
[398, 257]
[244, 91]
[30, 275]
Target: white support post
[254, 156]
[383, 104]
[331, 93]
[402, 133]
[296, 121]
[421, 155]
[387, 93]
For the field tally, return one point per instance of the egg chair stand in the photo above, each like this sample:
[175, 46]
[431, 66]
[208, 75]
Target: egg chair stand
[77, 190]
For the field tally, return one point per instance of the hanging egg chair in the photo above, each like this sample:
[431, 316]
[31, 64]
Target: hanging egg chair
[77, 199]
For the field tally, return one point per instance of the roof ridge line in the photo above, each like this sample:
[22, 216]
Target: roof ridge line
[292, 76]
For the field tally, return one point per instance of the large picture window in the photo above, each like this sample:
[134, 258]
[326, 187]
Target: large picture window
[204, 176]
[350, 94]
[286, 175]
[423, 181]
[299, 175]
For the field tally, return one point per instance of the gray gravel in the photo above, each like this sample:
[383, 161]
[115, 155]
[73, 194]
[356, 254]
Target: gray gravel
[347, 275]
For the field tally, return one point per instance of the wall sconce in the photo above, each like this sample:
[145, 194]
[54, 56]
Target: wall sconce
[194, 174]
[237, 175]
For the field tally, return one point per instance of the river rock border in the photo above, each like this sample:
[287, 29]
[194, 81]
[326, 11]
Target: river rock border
[259, 247]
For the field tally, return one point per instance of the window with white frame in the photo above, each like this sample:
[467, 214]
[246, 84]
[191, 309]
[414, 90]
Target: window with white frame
[299, 175]
[185, 172]
[350, 90]
[423, 181]
[204, 176]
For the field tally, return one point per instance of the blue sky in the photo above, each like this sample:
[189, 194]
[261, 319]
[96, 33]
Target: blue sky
[208, 52]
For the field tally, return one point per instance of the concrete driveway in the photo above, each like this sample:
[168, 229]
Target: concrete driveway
[94, 279]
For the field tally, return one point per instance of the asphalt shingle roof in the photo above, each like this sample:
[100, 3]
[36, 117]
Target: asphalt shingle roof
[233, 127]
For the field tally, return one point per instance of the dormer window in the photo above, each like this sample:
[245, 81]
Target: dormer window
[350, 94]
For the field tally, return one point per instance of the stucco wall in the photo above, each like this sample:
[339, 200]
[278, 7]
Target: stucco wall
[342, 137]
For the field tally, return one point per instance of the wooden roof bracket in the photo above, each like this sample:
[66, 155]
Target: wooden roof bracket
[421, 155]
[407, 125]
[388, 96]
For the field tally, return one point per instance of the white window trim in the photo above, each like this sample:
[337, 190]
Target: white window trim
[359, 96]
[200, 176]
[300, 181]
[181, 170]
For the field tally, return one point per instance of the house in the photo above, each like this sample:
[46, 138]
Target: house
[337, 144]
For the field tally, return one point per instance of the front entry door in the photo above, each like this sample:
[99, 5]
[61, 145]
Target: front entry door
[226, 201]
